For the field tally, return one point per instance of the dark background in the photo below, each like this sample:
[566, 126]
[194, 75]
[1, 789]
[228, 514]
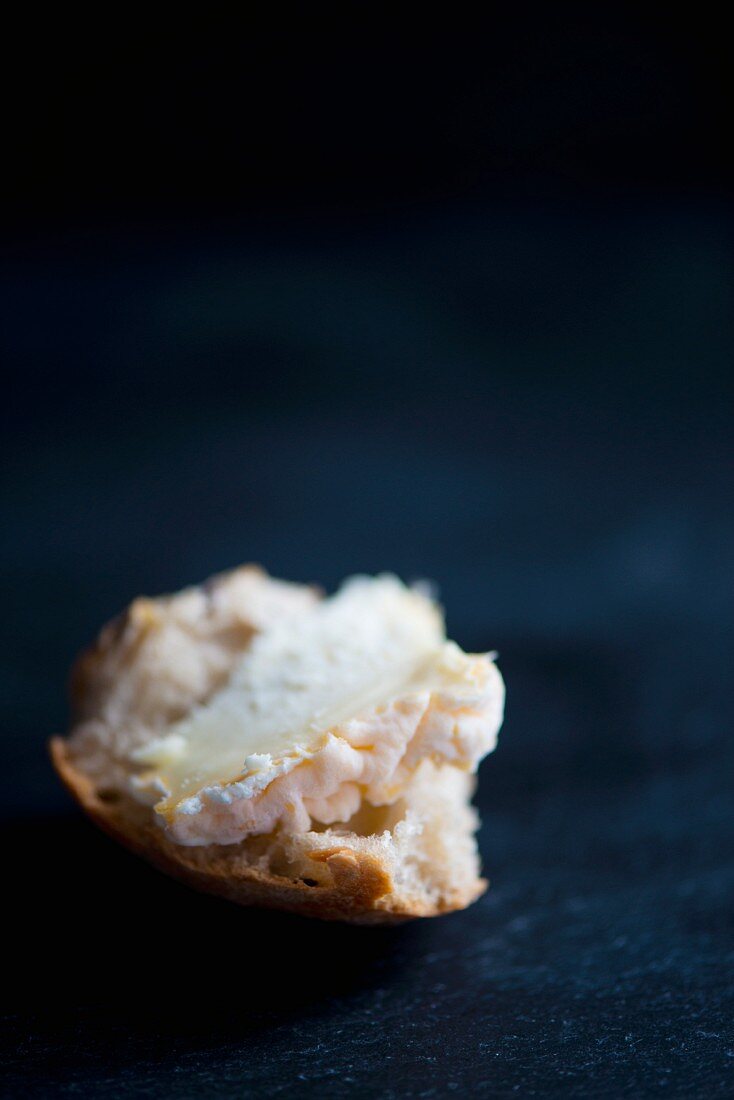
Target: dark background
[339, 296]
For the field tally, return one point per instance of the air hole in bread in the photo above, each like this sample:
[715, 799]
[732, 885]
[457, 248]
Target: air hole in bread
[109, 796]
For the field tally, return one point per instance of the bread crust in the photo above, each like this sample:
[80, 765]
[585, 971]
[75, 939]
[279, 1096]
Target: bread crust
[361, 891]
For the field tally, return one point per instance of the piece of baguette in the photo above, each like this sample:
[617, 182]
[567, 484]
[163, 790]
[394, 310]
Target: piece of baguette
[416, 857]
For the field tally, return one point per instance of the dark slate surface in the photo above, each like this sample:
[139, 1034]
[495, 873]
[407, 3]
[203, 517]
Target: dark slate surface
[534, 410]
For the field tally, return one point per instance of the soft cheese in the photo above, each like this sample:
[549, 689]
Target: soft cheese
[331, 707]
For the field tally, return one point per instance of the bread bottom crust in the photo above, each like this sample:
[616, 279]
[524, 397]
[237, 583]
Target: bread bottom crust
[361, 890]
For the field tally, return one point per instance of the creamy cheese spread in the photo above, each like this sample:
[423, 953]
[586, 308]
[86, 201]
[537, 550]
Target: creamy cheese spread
[328, 707]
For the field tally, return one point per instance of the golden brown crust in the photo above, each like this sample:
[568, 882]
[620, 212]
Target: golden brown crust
[361, 884]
